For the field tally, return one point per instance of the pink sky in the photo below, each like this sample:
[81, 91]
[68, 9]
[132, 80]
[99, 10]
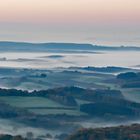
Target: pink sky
[79, 10]
[94, 18]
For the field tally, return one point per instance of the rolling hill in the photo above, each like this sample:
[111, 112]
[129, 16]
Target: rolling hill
[56, 47]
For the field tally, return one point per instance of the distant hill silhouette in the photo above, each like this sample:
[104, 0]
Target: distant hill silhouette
[24, 46]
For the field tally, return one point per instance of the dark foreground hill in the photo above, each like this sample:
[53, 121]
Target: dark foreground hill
[110, 133]
[9, 137]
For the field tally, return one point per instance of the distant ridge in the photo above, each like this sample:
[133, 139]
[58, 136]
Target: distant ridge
[25, 46]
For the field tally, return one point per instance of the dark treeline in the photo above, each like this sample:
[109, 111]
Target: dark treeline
[10, 137]
[67, 95]
[101, 102]
[110, 133]
[129, 80]
[53, 94]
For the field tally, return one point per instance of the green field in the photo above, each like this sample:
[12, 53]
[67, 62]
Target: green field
[108, 85]
[40, 105]
[87, 79]
[132, 94]
[57, 111]
[29, 101]
[55, 79]
[80, 102]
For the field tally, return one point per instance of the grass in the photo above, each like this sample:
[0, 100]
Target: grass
[80, 102]
[132, 94]
[29, 101]
[57, 111]
[87, 79]
[108, 85]
[37, 105]
[56, 79]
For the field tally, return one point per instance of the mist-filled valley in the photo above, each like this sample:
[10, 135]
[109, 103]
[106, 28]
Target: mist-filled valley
[45, 60]
[51, 95]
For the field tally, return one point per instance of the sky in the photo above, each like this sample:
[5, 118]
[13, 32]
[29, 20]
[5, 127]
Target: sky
[101, 22]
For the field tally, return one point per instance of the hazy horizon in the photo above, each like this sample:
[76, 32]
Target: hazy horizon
[93, 21]
[68, 42]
